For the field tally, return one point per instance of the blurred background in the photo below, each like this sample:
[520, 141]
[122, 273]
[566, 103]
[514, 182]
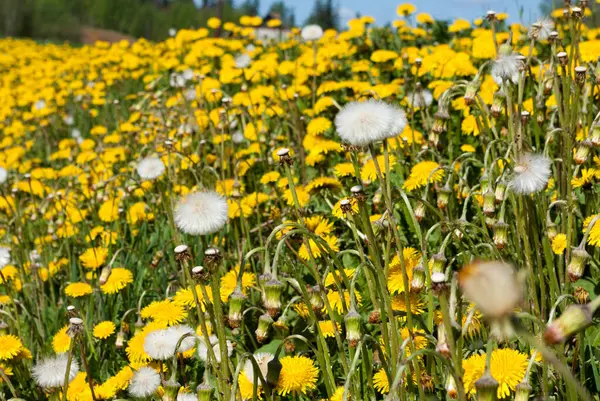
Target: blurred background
[84, 21]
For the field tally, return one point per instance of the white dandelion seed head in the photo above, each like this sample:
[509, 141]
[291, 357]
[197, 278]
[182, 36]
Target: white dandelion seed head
[4, 256]
[172, 32]
[188, 74]
[492, 286]
[361, 123]
[186, 397]
[262, 359]
[214, 343]
[160, 344]
[50, 372]
[144, 382]
[422, 98]
[237, 137]
[201, 213]
[176, 80]
[541, 29]
[150, 168]
[177, 332]
[69, 119]
[242, 61]
[532, 173]
[40, 105]
[506, 68]
[190, 94]
[3, 175]
[311, 32]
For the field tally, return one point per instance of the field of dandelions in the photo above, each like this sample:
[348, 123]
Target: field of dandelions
[370, 214]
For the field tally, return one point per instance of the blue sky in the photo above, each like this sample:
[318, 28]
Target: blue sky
[385, 10]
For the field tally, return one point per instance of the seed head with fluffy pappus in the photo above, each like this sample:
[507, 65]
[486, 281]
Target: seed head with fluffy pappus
[311, 32]
[201, 213]
[177, 332]
[362, 123]
[492, 286]
[3, 175]
[532, 173]
[262, 359]
[144, 382]
[214, 343]
[418, 99]
[160, 344]
[50, 373]
[150, 168]
[541, 29]
[4, 256]
[507, 66]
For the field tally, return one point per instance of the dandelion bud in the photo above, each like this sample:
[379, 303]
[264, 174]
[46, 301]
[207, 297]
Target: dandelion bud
[442, 346]
[262, 331]
[595, 136]
[551, 230]
[577, 12]
[272, 296]
[581, 295]
[204, 392]
[212, 259]
[580, 72]
[71, 311]
[489, 202]
[579, 259]
[562, 58]
[120, 341]
[582, 151]
[289, 346]
[451, 387]
[500, 191]
[438, 263]
[353, 322]
[574, 319]
[500, 234]
[138, 326]
[487, 387]
[171, 388]
[3, 328]
[284, 157]
[199, 273]
[157, 258]
[375, 317]
[439, 121]
[419, 211]
[236, 305]
[497, 104]
[444, 196]
[471, 92]
[484, 182]
[418, 279]
[104, 275]
[522, 392]
[378, 227]
[75, 327]
[316, 302]
[182, 253]
[377, 197]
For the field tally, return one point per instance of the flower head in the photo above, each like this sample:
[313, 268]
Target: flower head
[4, 256]
[532, 173]
[506, 68]
[150, 168]
[214, 343]
[418, 99]
[50, 373]
[361, 123]
[507, 367]
[104, 329]
[311, 32]
[298, 374]
[10, 346]
[144, 382]
[541, 29]
[201, 213]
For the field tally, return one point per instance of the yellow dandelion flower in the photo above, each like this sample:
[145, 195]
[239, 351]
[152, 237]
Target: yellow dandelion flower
[381, 382]
[301, 309]
[61, 341]
[104, 329]
[318, 126]
[135, 346]
[405, 9]
[229, 282]
[337, 208]
[507, 368]
[335, 300]
[109, 210]
[322, 183]
[118, 279]
[331, 277]
[185, 298]
[587, 178]
[76, 290]
[344, 169]
[369, 170]
[421, 173]
[301, 193]
[395, 282]
[298, 375]
[416, 303]
[594, 238]
[166, 311]
[10, 346]
[559, 244]
[327, 328]
[247, 387]
[93, 258]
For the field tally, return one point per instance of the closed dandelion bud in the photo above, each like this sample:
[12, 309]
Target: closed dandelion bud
[595, 136]
[490, 221]
[104, 275]
[378, 227]
[438, 263]
[434, 138]
[497, 104]
[500, 191]
[444, 196]
[579, 259]
[316, 302]
[262, 331]
[582, 151]
[204, 392]
[562, 58]
[377, 197]
[272, 300]
[580, 73]
[171, 388]
[353, 323]
[419, 211]
[120, 341]
[551, 231]
[418, 279]
[439, 121]
[451, 387]
[442, 346]
[581, 295]
[500, 234]
[375, 317]
[236, 306]
[487, 387]
[156, 259]
[75, 327]
[138, 326]
[471, 92]
[574, 319]
[484, 182]
[489, 202]
[212, 259]
[522, 392]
